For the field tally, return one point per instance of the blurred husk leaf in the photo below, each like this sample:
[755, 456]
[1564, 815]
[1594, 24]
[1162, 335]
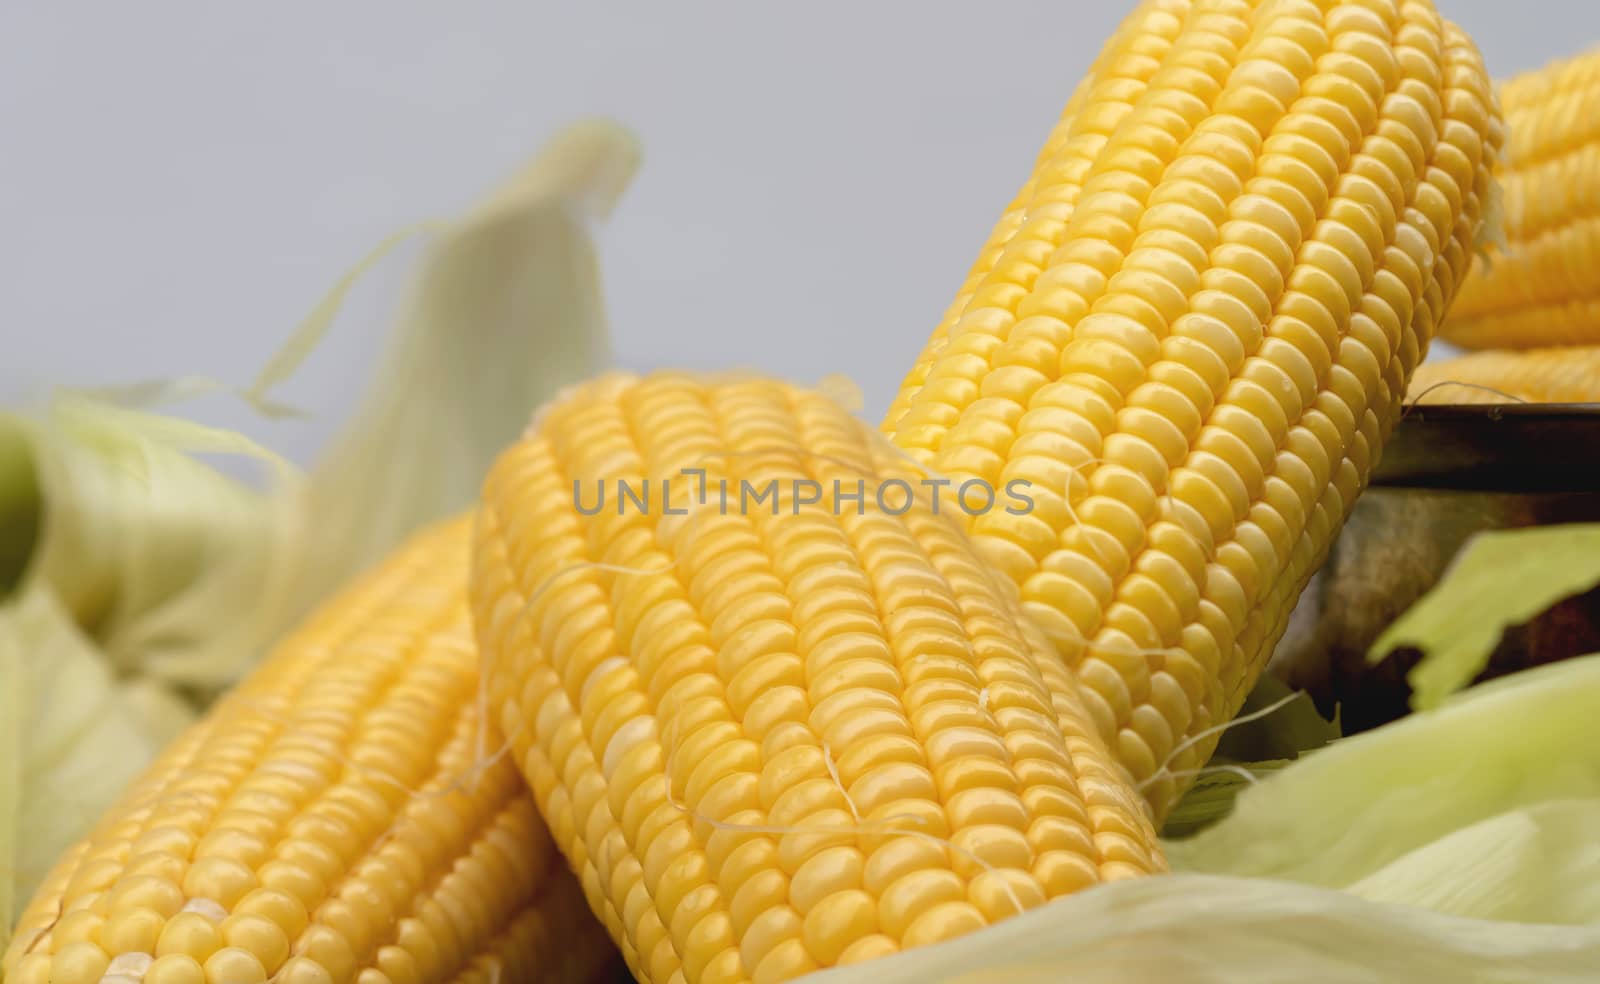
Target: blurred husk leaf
[137, 581]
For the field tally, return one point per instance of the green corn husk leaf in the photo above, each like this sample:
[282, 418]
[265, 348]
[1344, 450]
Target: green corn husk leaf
[68, 731]
[1457, 844]
[137, 581]
[1213, 794]
[1275, 726]
[1499, 579]
[175, 571]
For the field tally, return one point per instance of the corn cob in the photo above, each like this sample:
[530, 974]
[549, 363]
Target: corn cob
[1553, 375]
[328, 821]
[1193, 333]
[771, 742]
[1543, 287]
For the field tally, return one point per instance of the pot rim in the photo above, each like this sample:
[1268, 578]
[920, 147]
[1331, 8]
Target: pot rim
[1510, 447]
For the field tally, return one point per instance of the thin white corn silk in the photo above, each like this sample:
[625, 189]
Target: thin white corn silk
[1455, 845]
[173, 578]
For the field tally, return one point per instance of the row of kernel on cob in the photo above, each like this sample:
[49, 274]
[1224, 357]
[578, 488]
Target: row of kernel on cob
[1201, 332]
[1534, 306]
[766, 744]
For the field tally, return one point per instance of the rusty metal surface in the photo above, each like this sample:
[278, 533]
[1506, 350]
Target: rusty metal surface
[1514, 448]
[1449, 472]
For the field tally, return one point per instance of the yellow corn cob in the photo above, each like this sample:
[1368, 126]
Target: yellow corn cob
[280, 838]
[1543, 288]
[776, 737]
[1192, 334]
[1553, 375]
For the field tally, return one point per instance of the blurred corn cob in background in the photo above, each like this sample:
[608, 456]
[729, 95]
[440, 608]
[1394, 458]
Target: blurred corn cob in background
[1192, 333]
[136, 582]
[775, 742]
[1541, 288]
[1550, 375]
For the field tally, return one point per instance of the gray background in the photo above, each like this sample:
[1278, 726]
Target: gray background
[180, 182]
